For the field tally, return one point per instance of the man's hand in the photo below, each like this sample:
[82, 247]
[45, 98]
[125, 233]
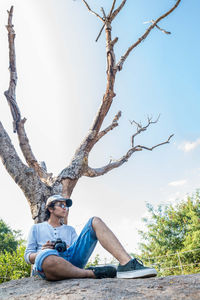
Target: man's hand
[48, 245]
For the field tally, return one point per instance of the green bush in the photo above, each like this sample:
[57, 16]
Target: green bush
[171, 237]
[9, 239]
[13, 265]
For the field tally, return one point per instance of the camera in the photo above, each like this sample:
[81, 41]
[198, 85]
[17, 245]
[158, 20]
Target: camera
[59, 245]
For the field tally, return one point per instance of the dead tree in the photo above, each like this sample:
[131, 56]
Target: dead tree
[32, 177]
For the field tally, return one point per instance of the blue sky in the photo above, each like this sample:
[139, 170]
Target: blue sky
[61, 80]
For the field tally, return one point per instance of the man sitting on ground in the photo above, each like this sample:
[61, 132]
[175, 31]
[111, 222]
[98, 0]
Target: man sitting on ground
[57, 263]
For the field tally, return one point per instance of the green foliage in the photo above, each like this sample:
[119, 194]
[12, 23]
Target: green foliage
[9, 239]
[95, 262]
[173, 232]
[13, 265]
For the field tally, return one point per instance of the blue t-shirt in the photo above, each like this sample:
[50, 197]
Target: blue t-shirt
[43, 232]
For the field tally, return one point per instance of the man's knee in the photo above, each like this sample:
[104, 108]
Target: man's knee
[96, 221]
[49, 263]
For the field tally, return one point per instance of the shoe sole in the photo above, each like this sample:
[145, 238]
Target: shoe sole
[137, 274]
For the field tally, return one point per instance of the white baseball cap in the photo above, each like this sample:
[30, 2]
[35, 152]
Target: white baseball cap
[58, 198]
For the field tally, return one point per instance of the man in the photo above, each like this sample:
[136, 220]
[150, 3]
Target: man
[69, 262]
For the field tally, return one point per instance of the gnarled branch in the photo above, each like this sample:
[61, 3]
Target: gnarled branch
[24, 176]
[10, 94]
[144, 36]
[95, 172]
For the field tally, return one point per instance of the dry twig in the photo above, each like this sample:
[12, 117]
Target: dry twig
[141, 128]
[112, 8]
[100, 32]
[93, 12]
[109, 128]
[161, 29]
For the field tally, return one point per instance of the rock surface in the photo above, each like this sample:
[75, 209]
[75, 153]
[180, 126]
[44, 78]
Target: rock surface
[166, 288]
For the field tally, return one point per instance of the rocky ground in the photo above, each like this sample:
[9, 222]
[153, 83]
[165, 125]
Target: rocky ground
[166, 288]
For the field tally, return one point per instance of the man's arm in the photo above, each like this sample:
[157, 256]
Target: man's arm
[31, 247]
[47, 245]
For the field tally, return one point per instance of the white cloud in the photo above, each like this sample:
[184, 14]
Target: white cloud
[177, 182]
[188, 146]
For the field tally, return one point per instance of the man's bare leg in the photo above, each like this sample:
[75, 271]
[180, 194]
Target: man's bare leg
[57, 268]
[109, 241]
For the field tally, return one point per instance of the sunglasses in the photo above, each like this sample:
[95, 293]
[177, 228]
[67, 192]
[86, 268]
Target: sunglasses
[62, 206]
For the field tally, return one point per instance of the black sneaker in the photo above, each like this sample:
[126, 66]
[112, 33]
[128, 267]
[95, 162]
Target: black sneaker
[104, 271]
[135, 269]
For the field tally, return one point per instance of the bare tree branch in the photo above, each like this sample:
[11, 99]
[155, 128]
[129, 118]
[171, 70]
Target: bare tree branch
[10, 94]
[112, 8]
[115, 13]
[79, 164]
[95, 172]
[144, 36]
[24, 176]
[104, 14]
[97, 15]
[35, 191]
[161, 29]
[114, 41]
[141, 128]
[158, 145]
[93, 12]
[109, 94]
[91, 138]
[109, 128]
[100, 32]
